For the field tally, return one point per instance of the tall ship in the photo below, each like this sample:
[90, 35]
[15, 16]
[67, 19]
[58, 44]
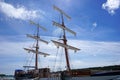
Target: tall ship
[69, 73]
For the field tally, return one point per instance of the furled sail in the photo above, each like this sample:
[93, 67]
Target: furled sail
[66, 46]
[61, 26]
[37, 38]
[41, 53]
[37, 25]
[58, 9]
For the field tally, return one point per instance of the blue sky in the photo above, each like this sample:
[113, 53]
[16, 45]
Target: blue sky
[96, 23]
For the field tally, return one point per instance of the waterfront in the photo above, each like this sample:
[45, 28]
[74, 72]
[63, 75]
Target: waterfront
[7, 78]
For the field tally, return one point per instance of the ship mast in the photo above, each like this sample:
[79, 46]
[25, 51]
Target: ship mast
[64, 44]
[37, 48]
[36, 51]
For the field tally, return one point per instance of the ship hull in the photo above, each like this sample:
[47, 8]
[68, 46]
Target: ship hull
[110, 75]
[115, 77]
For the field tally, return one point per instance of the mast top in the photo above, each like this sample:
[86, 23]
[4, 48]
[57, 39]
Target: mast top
[38, 25]
[58, 9]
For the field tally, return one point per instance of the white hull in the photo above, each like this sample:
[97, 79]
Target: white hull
[117, 77]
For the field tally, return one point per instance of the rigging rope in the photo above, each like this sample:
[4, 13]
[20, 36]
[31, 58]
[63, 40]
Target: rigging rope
[39, 60]
[70, 61]
[61, 59]
[28, 61]
[31, 59]
[55, 60]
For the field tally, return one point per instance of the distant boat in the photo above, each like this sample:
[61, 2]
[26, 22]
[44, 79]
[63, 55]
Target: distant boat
[68, 74]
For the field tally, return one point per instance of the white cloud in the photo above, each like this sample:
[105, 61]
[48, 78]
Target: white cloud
[111, 6]
[94, 26]
[97, 47]
[90, 51]
[18, 12]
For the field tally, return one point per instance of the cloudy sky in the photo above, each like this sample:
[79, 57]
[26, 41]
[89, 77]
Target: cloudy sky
[96, 22]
